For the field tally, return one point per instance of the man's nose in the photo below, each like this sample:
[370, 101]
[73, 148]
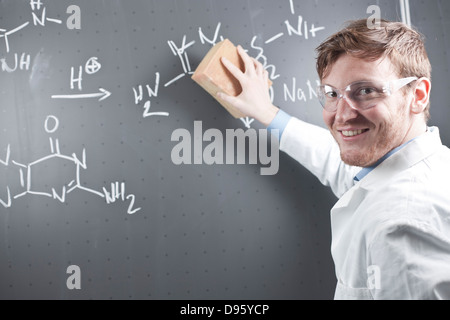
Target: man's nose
[345, 111]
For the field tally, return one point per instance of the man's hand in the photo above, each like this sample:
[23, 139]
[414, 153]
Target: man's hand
[254, 100]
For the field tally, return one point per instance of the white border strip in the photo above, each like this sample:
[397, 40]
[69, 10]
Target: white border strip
[406, 14]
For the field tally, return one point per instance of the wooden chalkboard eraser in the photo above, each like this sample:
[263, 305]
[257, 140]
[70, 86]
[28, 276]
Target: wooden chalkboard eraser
[212, 75]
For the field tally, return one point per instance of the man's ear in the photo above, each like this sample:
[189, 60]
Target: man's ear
[421, 95]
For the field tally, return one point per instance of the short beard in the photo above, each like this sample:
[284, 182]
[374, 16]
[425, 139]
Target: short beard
[375, 152]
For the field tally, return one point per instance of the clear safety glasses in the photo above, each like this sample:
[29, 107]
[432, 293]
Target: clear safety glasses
[361, 95]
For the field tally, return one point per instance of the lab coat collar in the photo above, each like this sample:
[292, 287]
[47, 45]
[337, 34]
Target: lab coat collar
[416, 151]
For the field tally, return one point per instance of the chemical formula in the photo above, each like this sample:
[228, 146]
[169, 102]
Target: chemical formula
[73, 164]
[141, 95]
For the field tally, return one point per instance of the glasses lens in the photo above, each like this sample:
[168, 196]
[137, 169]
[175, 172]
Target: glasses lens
[366, 94]
[328, 97]
[360, 95]
[363, 95]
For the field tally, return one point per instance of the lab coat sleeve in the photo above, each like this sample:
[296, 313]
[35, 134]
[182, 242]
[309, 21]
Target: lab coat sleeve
[413, 259]
[315, 148]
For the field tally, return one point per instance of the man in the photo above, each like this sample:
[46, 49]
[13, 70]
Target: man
[391, 225]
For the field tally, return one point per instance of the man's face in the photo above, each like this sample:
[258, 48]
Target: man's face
[379, 129]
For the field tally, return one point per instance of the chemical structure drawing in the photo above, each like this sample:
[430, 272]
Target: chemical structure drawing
[40, 18]
[71, 164]
[27, 178]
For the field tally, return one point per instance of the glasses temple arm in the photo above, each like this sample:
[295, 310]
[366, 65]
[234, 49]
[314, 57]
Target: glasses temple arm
[400, 83]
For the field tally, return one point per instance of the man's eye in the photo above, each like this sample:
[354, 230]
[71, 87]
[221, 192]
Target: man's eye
[366, 91]
[331, 94]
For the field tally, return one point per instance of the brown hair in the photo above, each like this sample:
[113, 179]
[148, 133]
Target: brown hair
[404, 47]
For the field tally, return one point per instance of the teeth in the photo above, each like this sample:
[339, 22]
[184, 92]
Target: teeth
[352, 133]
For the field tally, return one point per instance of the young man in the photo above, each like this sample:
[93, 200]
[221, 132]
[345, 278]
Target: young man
[391, 225]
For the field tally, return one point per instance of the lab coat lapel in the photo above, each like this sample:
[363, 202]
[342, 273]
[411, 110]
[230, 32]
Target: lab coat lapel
[343, 211]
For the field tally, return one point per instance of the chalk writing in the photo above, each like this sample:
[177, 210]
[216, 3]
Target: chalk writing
[39, 15]
[10, 32]
[36, 6]
[215, 38]
[144, 95]
[19, 64]
[182, 55]
[302, 29]
[72, 163]
[295, 93]
[102, 95]
[152, 92]
[91, 67]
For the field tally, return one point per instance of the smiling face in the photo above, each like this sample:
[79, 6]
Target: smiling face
[365, 136]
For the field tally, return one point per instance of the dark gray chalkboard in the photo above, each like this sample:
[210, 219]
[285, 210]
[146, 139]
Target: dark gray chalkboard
[87, 179]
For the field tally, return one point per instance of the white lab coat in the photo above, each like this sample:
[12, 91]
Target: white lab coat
[391, 230]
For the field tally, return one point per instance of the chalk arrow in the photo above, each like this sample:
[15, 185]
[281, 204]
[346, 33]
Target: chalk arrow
[103, 94]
